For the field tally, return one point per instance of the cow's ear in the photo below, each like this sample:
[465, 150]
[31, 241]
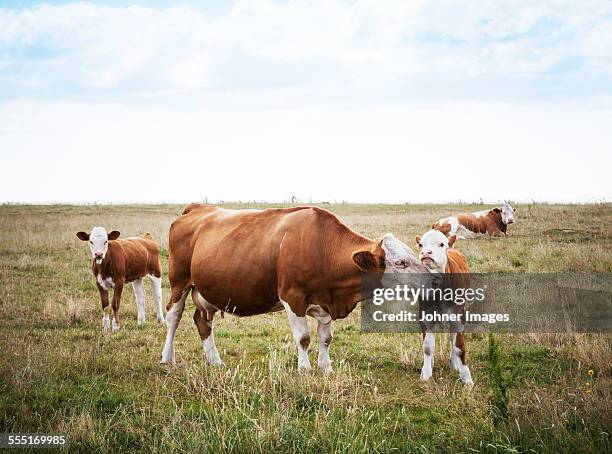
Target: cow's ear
[114, 235]
[418, 239]
[83, 236]
[496, 210]
[367, 261]
[451, 240]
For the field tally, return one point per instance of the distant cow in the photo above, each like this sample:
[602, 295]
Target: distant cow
[250, 262]
[471, 225]
[116, 262]
[436, 255]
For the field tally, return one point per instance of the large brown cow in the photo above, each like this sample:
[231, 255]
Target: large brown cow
[116, 262]
[249, 262]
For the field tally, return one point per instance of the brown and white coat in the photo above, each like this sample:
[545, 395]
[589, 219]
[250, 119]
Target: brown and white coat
[465, 226]
[452, 266]
[117, 262]
[302, 260]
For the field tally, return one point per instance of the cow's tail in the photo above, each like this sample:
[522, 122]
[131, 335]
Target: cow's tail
[189, 208]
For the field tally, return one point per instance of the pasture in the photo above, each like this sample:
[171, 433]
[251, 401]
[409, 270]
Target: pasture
[60, 373]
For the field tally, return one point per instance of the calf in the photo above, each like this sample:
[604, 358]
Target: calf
[116, 262]
[436, 255]
[471, 225]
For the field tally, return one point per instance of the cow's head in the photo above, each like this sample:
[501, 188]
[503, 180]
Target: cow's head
[98, 241]
[433, 249]
[390, 255]
[508, 214]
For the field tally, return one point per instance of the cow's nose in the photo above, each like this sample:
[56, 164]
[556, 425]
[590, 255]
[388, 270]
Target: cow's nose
[510, 221]
[98, 254]
[427, 253]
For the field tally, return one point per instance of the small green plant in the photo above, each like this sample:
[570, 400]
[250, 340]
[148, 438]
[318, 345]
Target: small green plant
[499, 384]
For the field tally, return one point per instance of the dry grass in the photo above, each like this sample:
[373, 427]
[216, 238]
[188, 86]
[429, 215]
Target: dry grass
[59, 372]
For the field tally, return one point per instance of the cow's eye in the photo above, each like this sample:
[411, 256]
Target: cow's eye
[106, 242]
[420, 245]
[441, 244]
[90, 242]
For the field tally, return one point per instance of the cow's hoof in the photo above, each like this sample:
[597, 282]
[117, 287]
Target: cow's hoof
[115, 326]
[426, 374]
[161, 321]
[326, 368]
[465, 376]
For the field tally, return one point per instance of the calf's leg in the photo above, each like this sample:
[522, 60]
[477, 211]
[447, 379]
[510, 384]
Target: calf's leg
[105, 308]
[116, 301]
[139, 294]
[157, 297]
[429, 346]
[459, 349]
[299, 328]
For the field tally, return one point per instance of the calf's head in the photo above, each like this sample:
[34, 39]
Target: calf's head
[508, 214]
[433, 249]
[98, 241]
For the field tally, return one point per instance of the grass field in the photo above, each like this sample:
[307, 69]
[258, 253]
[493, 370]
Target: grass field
[108, 392]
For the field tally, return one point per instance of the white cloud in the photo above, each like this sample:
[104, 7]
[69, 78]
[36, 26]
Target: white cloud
[82, 47]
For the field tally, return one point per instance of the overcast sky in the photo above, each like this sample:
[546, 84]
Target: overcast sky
[364, 101]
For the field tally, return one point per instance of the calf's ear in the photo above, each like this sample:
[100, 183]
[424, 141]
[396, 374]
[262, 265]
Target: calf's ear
[418, 239]
[114, 235]
[451, 240]
[496, 210]
[83, 236]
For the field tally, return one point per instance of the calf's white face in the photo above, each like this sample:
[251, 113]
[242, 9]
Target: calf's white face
[507, 214]
[98, 241]
[433, 248]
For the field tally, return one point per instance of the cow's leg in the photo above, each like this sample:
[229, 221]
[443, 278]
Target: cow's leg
[139, 294]
[116, 301]
[459, 349]
[157, 297]
[324, 334]
[105, 308]
[204, 323]
[173, 317]
[429, 346]
[299, 328]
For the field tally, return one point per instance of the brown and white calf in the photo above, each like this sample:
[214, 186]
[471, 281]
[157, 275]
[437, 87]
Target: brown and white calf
[117, 262]
[492, 222]
[436, 255]
[302, 260]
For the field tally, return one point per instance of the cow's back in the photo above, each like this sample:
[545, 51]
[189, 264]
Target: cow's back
[240, 260]
[137, 256]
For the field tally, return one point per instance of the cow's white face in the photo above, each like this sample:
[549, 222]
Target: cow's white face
[399, 258]
[98, 242]
[507, 214]
[433, 249]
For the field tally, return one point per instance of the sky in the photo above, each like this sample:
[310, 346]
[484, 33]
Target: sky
[325, 100]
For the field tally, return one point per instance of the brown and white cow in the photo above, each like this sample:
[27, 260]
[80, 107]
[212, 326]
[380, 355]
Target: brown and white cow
[116, 262]
[471, 225]
[436, 255]
[250, 262]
